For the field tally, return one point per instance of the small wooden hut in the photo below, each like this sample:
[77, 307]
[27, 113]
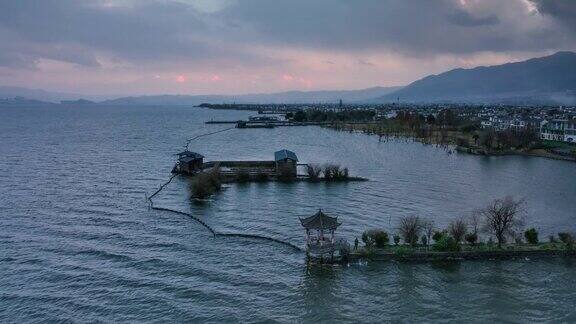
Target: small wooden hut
[286, 163]
[321, 243]
[189, 162]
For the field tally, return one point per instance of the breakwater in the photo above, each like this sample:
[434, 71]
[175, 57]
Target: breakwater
[430, 256]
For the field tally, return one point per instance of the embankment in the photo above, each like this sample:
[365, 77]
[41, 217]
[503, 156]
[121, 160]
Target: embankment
[380, 255]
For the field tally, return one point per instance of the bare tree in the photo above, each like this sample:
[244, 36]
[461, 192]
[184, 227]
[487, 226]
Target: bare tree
[428, 226]
[314, 171]
[474, 222]
[335, 172]
[410, 228]
[502, 217]
[457, 229]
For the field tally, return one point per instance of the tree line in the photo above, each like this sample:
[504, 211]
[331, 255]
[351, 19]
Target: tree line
[503, 219]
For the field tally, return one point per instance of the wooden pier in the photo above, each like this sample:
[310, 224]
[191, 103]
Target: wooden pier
[281, 123]
[222, 122]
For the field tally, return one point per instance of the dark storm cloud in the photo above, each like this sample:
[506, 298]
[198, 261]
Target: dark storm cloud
[15, 52]
[416, 27]
[166, 31]
[562, 10]
[134, 32]
[147, 30]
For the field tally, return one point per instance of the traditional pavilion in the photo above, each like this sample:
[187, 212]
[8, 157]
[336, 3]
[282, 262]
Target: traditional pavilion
[320, 240]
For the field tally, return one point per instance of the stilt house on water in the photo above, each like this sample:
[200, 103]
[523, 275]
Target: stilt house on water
[321, 244]
[284, 166]
[189, 162]
[286, 163]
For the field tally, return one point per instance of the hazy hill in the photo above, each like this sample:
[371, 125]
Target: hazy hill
[23, 102]
[551, 78]
[9, 92]
[281, 97]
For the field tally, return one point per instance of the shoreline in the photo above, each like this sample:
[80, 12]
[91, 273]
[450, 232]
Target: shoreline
[532, 153]
[382, 255]
[450, 138]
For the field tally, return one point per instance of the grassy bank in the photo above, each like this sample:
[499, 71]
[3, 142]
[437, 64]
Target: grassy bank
[467, 252]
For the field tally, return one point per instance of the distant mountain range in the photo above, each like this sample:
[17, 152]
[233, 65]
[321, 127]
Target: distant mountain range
[549, 79]
[281, 97]
[8, 92]
[545, 80]
[192, 100]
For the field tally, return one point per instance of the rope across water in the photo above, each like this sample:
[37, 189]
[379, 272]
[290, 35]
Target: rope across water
[201, 222]
[207, 134]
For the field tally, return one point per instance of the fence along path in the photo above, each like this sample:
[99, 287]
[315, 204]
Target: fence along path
[201, 222]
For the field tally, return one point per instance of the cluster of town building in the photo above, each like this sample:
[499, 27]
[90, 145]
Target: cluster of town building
[556, 123]
[553, 123]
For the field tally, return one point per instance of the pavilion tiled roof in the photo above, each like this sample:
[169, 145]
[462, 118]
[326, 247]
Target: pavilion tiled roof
[320, 221]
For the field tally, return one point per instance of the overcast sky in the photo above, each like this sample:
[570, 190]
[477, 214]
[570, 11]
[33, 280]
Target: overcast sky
[121, 47]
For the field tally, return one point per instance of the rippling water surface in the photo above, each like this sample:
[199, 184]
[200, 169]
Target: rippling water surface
[77, 241]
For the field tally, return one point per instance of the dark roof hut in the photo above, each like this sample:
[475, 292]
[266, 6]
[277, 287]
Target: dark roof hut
[189, 162]
[286, 164]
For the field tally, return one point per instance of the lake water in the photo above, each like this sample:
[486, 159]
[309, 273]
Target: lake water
[78, 242]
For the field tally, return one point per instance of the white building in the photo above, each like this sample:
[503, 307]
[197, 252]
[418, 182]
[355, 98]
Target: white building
[562, 130]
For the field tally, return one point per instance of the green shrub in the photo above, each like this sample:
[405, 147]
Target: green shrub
[566, 238]
[437, 236]
[471, 238]
[206, 183]
[376, 237]
[380, 238]
[446, 244]
[200, 189]
[404, 251]
[367, 239]
[531, 236]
